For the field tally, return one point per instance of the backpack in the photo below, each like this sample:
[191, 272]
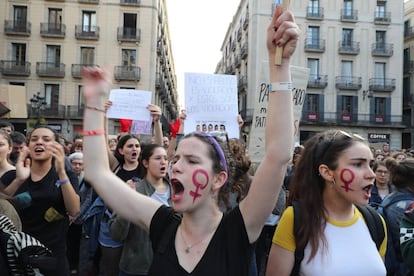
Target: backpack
[393, 259]
[21, 253]
[372, 218]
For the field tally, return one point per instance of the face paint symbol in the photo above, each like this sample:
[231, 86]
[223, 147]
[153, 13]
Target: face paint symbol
[347, 177]
[197, 176]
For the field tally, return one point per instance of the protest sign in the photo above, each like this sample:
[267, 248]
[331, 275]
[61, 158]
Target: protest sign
[131, 104]
[211, 103]
[300, 77]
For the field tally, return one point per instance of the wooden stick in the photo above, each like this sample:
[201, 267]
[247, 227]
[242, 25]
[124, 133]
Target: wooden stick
[279, 49]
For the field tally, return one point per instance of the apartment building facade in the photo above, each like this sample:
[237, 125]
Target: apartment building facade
[354, 51]
[408, 65]
[44, 44]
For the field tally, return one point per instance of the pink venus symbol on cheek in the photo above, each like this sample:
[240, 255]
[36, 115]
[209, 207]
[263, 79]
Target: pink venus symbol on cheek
[198, 176]
[347, 177]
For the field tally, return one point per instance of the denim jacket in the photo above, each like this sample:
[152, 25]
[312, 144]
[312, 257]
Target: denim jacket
[392, 208]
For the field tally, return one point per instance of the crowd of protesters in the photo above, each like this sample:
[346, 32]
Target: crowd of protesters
[194, 204]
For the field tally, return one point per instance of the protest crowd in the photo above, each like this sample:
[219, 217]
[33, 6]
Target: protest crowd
[195, 204]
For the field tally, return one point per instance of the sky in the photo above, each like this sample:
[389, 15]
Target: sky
[197, 29]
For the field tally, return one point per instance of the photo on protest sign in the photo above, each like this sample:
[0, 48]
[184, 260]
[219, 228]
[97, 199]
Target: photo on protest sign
[211, 103]
[300, 77]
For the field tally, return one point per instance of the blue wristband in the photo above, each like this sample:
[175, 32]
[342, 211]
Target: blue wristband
[61, 182]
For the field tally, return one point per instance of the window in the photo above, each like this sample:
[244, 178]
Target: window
[52, 95]
[55, 16]
[80, 95]
[312, 103]
[347, 38]
[346, 68]
[380, 69]
[380, 74]
[130, 24]
[380, 106]
[313, 7]
[346, 105]
[380, 10]
[129, 57]
[380, 37]
[346, 108]
[53, 56]
[20, 17]
[407, 28]
[313, 65]
[19, 53]
[313, 37]
[87, 55]
[88, 21]
[348, 8]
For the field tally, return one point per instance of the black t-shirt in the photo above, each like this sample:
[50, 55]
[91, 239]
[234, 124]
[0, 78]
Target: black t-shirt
[45, 216]
[8, 177]
[126, 175]
[228, 253]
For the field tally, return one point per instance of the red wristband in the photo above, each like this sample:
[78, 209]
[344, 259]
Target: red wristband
[94, 132]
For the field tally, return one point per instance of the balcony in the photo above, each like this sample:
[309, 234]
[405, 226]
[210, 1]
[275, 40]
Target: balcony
[242, 83]
[129, 34]
[348, 83]
[408, 33]
[52, 30]
[349, 15]
[408, 66]
[50, 69]
[317, 81]
[315, 45]
[244, 51]
[233, 46]
[382, 49]
[382, 18]
[17, 27]
[77, 69]
[313, 13]
[89, 1]
[74, 111]
[130, 2]
[50, 111]
[129, 73]
[246, 22]
[382, 84]
[15, 68]
[345, 118]
[348, 48]
[158, 80]
[88, 32]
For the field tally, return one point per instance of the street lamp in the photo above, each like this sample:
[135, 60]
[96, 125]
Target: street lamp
[38, 104]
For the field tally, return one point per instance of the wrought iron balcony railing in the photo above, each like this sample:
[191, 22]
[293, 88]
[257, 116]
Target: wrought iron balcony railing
[17, 27]
[15, 68]
[50, 69]
[132, 73]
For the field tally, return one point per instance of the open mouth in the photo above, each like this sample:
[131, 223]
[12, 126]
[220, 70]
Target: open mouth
[368, 188]
[39, 150]
[177, 189]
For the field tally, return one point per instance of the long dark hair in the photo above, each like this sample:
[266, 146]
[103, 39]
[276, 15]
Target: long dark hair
[121, 143]
[401, 173]
[307, 184]
[147, 151]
